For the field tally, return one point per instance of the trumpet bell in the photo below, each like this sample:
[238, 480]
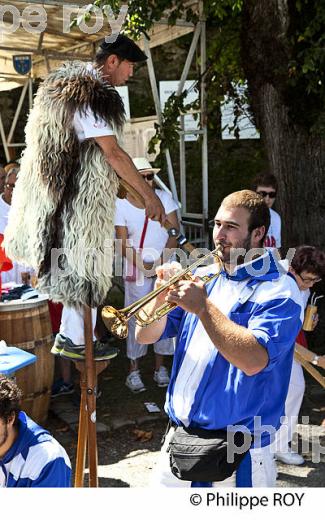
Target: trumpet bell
[115, 321]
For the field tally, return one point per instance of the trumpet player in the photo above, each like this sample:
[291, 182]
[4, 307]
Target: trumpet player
[235, 342]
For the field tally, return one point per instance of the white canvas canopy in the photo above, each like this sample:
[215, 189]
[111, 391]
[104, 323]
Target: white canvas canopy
[42, 30]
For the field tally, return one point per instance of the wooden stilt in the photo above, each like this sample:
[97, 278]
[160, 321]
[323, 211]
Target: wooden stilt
[89, 369]
[82, 429]
[91, 398]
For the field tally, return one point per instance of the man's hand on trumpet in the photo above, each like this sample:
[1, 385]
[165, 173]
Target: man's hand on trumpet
[153, 331]
[191, 295]
[188, 294]
[164, 273]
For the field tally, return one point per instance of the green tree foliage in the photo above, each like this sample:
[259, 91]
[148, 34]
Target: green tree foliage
[300, 76]
[306, 65]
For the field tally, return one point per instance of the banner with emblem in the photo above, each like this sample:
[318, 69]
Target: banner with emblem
[22, 63]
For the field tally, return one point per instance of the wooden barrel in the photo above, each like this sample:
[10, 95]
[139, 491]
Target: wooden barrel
[27, 325]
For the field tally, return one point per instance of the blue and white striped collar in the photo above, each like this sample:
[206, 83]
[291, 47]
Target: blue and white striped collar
[264, 268]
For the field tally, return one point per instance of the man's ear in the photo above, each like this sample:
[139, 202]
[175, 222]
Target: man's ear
[112, 60]
[11, 419]
[258, 233]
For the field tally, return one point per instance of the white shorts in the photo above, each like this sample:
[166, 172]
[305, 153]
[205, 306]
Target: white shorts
[72, 324]
[135, 350]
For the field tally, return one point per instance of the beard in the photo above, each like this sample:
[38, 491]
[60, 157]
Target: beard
[233, 253]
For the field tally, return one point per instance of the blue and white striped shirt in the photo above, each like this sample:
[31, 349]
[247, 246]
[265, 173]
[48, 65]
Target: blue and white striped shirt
[35, 459]
[206, 390]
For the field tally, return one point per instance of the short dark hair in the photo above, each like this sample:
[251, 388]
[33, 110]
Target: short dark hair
[102, 55]
[310, 259]
[265, 179]
[254, 204]
[10, 396]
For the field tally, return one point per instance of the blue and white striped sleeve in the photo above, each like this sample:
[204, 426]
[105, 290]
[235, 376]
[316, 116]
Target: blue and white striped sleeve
[275, 324]
[54, 474]
[174, 319]
[47, 465]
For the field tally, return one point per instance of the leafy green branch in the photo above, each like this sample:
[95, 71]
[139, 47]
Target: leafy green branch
[141, 15]
[167, 133]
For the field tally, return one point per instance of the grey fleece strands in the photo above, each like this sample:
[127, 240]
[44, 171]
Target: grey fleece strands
[65, 193]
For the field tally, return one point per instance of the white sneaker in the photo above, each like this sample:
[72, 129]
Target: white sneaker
[134, 382]
[161, 377]
[290, 457]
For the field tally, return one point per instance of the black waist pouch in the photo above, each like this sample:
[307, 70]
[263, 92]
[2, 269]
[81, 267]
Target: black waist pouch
[207, 455]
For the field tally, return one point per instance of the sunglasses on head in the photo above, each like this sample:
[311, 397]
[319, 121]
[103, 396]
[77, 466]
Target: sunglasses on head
[271, 194]
[149, 177]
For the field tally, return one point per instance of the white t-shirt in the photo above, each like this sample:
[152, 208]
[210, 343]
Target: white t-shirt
[133, 218]
[305, 297]
[86, 125]
[273, 237]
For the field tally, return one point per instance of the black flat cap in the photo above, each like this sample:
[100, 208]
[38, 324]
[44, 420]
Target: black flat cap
[124, 48]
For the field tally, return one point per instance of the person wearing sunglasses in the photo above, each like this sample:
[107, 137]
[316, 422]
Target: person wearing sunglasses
[266, 185]
[150, 240]
[307, 268]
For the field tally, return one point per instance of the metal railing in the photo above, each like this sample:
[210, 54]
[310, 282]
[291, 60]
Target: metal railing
[194, 233]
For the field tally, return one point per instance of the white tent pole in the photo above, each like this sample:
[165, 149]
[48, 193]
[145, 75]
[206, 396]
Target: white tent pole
[182, 150]
[155, 94]
[189, 59]
[205, 188]
[18, 110]
[4, 140]
[30, 92]
[182, 165]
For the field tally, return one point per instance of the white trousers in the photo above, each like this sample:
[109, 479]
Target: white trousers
[261, 470]
[134, 349]
[72, 324]
[293, 402]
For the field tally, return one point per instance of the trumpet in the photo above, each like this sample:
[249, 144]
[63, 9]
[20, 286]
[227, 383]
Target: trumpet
[117, 320]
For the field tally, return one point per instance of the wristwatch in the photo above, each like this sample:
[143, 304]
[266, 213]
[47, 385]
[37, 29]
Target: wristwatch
[314, 361]
[173, 232]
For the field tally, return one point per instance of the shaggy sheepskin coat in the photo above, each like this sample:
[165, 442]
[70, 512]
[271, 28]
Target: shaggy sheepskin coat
[62, 216]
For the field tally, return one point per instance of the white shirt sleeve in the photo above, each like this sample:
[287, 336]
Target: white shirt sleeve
[168, 202]
[87, 126]
[120, 213]
[276, 223]
[279, 242]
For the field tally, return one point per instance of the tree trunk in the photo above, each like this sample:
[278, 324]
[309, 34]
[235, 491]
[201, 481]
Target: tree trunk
[296, 156]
